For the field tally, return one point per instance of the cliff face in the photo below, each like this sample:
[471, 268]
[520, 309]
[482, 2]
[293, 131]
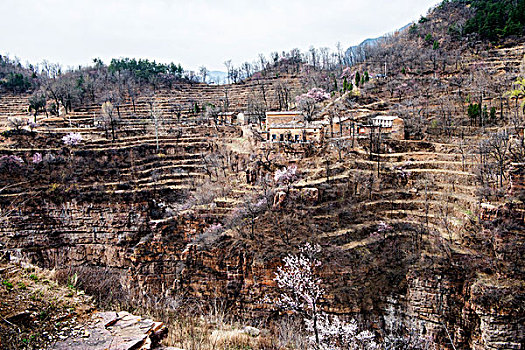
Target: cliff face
[453, 308]
[156, 259]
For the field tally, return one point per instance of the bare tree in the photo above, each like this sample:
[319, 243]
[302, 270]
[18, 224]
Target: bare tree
[257, 108]
[339, 144]
[283, 96]
[212, 113]
[109, 119]
[498, 147]
[203, 71]
[155, 115]
[228, 65]
[133, 92]
[17, 123]
[176, 109]
[37, 103]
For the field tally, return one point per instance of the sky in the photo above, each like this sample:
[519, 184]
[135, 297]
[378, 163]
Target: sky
[193, 33]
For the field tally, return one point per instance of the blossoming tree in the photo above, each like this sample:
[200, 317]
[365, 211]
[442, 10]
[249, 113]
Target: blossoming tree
[301, 291]
[286, 175]
[308, 102]
[72, 139]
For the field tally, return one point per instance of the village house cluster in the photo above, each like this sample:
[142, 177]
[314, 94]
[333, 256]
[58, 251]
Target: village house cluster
[293, 127]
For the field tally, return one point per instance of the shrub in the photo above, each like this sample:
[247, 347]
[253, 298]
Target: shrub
[7, 284]
[72, 139]
[10, 163]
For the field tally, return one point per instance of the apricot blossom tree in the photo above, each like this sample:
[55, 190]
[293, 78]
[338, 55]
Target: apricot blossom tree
[72, 139]
[301, 291]
[308, 102]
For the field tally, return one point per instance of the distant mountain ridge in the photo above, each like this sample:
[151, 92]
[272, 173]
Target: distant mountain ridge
[354, 54]
[217, 77]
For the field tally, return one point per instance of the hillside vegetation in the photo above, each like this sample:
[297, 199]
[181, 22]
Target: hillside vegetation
[128, 177]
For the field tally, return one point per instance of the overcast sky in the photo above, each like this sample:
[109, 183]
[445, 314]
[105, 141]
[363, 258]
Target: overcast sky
[191, 32]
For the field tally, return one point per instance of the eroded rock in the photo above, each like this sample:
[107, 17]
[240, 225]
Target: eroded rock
[116, 331]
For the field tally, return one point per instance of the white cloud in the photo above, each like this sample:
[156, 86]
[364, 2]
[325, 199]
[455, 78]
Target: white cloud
[194, 32]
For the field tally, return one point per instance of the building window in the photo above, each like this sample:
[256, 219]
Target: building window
[274, 137]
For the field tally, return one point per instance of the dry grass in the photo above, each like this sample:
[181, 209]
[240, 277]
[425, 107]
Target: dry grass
[35, 308]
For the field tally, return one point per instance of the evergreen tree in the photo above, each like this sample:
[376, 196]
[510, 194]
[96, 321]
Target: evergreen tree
[499, 19]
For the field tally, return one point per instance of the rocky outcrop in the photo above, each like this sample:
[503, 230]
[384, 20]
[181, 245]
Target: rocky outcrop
[457, 310]
[116, 331]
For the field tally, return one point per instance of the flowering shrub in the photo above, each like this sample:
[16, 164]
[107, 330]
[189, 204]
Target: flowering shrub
[315, 94]
[286, 175]
[214, 229]
[337, 334]
[261, 203]
[37, 158]
[301, 287]
[72, 139]
[301, 291]
[383, 227]
[307, 102]
[318, 95]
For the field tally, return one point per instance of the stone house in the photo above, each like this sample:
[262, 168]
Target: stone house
[295, 132]
[283, 117]
[229, 118]
[390, 126]
[339, 126]
[291, 127]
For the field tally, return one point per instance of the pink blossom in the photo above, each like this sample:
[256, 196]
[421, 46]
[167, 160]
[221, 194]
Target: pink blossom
[383, 226]
[286, 175]
[297, 278]
[314, 94]
[318, 94]
[337, 334]
[302, 291]
[37, 158]
[261, 202]
[72, 139]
